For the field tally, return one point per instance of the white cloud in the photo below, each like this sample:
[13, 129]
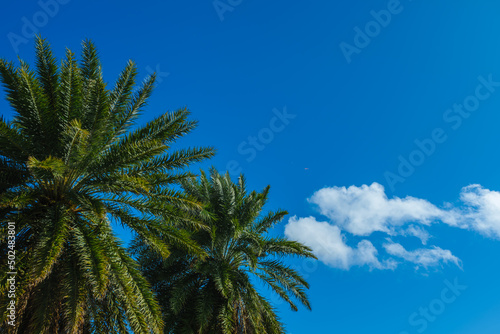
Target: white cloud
[482, 209]
[417, 231]
[328, 244]
[426, 257]
[363, 210]
[366, 209]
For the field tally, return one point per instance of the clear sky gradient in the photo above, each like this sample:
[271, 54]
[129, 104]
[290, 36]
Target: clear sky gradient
[322, 94]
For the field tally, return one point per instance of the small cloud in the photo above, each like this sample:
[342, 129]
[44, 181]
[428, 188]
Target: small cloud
[426, 257]
[419, 232]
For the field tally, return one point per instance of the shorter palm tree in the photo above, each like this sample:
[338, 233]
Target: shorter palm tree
[215, 293]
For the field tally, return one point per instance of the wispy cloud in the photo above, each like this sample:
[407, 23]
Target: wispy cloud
[426, 257]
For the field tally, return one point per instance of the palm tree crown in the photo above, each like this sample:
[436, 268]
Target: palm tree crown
[215, 293]
[71, 165]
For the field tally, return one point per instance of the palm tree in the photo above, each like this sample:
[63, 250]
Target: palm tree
[216, 293]
[72, 166]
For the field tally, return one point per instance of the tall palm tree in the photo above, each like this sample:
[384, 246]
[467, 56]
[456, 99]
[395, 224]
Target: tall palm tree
[216, 293]
[72, 166]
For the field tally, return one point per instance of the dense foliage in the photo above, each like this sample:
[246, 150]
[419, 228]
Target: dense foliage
[215, 293]
[72, 164]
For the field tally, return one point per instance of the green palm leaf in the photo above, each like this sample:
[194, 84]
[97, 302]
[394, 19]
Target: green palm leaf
[71, 169]
[214, 293]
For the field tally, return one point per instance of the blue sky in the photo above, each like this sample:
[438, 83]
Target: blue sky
[345, 118]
